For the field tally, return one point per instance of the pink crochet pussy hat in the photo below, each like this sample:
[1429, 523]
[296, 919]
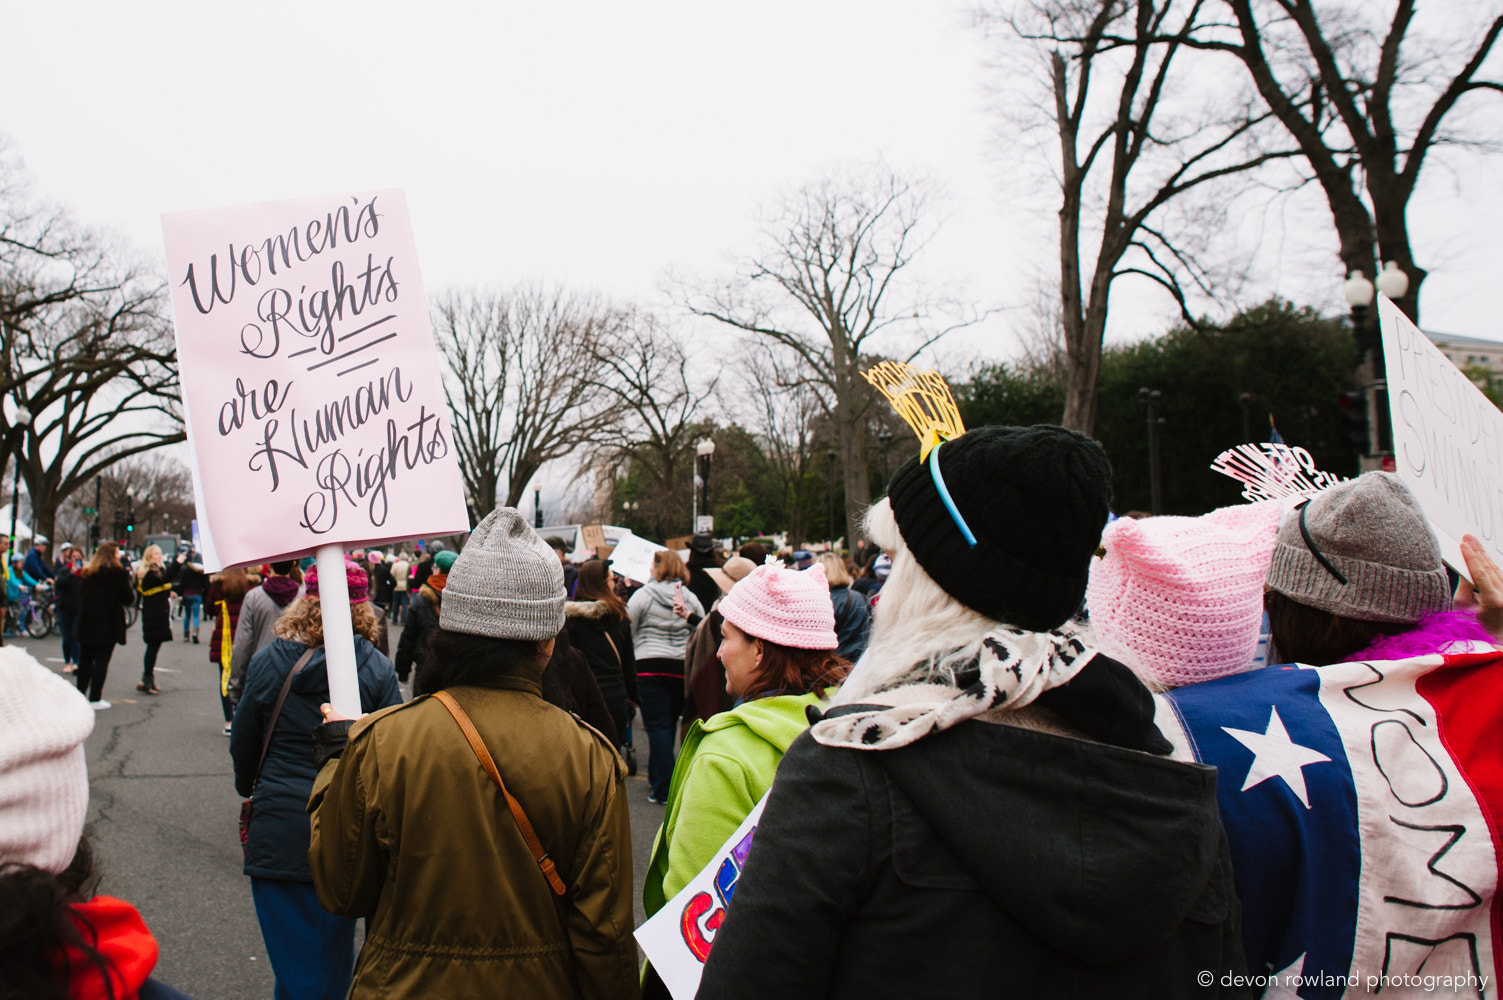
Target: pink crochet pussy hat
[785, 606]
[1180, 599]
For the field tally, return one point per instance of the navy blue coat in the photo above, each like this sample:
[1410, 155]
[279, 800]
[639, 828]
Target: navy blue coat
[277, 847]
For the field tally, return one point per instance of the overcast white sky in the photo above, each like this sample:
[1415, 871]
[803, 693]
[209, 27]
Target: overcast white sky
[595, 143]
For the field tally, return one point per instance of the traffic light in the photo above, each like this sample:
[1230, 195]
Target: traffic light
[129, 527]
[1353, 407]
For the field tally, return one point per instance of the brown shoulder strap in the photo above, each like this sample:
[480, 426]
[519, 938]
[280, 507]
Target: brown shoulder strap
[276, 712]
[607, 634]
[484, 756]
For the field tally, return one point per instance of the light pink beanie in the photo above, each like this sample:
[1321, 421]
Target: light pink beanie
[785, 606]
[1180, 599]
[44, 779]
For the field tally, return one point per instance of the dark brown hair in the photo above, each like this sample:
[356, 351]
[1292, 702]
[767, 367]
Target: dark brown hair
[793, 671]
[1302, 634]
[233, 583]
[37, 928]
[591, 586]
[108, 554]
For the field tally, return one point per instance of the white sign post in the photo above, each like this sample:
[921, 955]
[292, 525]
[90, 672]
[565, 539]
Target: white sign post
[311, 391]
[1447, 439]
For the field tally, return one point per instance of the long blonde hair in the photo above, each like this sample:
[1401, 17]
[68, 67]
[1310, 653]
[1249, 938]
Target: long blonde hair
[150, 559]
[914, 623]
[303, 621]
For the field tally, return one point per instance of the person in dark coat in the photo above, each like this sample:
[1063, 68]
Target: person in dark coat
[382, 582]
[154, 578]
[853, 612]
[312, 952]
[598, 628]
[703, 558]
[569, 684]
[104, 592]
[67, 605]
[988, 808]
[422, 616]
[227, 592]
[193, 585]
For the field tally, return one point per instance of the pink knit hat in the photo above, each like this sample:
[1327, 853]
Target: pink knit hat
[1180, 599]
[355, 578]
[784, 606]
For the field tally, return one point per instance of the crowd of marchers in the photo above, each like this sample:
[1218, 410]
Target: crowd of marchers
[972, 788]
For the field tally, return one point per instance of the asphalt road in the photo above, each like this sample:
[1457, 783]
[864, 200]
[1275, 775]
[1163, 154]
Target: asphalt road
[163, 813]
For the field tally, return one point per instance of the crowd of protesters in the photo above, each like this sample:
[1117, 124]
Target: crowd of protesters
[970, 789]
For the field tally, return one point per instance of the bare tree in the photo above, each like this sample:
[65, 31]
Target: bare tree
[832, 281]
[782, 411]
[1134, 138]
[653, 385]
[1366, 103]
[522, 383]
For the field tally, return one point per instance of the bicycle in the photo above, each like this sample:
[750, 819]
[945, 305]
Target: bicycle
[36, 618]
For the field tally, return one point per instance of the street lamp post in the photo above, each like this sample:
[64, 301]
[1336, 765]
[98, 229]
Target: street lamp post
[704, 455]
[1150, 398]
[22, 420]
[1359, 293]
[884, 438]
[130, 515]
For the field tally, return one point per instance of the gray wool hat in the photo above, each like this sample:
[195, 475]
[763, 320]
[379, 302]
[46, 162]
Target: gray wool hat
[1371, 532]
[507, 583]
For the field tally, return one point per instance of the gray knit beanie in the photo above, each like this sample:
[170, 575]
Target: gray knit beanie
[1370, 530]
[506, 584]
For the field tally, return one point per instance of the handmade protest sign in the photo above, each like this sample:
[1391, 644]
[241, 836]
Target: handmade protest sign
[310, 378]
[1447, 439]
[632, 557]
[677, 939]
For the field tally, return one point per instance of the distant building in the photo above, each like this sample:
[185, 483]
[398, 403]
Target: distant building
[1470, 353]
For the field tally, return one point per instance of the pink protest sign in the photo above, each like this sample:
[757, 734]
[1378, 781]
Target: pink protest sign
[310, 378]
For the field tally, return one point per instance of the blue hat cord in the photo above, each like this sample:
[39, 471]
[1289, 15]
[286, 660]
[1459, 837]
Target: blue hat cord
[944, 495]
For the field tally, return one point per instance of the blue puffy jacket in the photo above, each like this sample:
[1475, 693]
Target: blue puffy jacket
[277, 847]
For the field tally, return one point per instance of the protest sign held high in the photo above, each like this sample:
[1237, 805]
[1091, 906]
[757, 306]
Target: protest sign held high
[310, 378]
[316, 419]
[1447, 439]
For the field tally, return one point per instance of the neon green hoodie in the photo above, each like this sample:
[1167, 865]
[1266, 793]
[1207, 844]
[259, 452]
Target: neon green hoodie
[726, 765]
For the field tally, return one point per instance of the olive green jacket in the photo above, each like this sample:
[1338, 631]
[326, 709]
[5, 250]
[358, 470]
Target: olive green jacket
[410, 833]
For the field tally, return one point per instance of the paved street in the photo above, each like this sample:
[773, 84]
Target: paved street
[163, 816]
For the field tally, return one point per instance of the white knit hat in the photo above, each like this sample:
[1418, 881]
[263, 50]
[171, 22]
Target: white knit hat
[44, 779]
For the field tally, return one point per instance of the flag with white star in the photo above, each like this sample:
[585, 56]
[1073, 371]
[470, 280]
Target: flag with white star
[1358, 802]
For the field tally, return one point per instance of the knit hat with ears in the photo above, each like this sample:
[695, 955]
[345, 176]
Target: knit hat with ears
[1180, 599]
[355, 579]
[789, 607]
[44, 780]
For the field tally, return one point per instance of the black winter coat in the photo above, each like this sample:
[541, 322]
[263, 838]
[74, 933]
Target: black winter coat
[422, 621]
[66, 588]
[102, 600]
[982, 860]
[156, 608]
[277, 846]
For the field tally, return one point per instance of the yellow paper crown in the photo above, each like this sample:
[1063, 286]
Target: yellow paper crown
[922, 399]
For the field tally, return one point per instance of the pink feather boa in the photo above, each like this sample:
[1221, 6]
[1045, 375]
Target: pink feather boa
[1432, 635]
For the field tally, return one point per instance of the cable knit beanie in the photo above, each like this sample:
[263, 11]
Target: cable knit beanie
[44, 779]
[1372, 532]
[789, 607]
[506, 584]
[445, 560]
[1180, 599]
[355, 578]
[1036, 499]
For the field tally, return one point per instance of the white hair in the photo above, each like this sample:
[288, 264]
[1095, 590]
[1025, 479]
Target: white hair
[915, 622]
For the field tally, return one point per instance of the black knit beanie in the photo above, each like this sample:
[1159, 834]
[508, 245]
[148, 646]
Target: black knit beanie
[1036, 499]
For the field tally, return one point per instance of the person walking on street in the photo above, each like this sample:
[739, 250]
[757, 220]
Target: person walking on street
[312, 951]
[66, 591]
[483, 833]
[226, 593]
[663, 615]
[401, 570]
[382, 582]
[192, 584]
[256, 627]
[599, 630]
[154, 578]
[104, 592]
[422, 616]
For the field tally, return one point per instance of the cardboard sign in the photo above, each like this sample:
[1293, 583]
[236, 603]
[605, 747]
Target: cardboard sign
[310, 378]
[1447, 439]
[594, 540]
[677, 939]
[632, 557]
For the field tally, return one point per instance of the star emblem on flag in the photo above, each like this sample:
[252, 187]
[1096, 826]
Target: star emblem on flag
[1275, 755]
